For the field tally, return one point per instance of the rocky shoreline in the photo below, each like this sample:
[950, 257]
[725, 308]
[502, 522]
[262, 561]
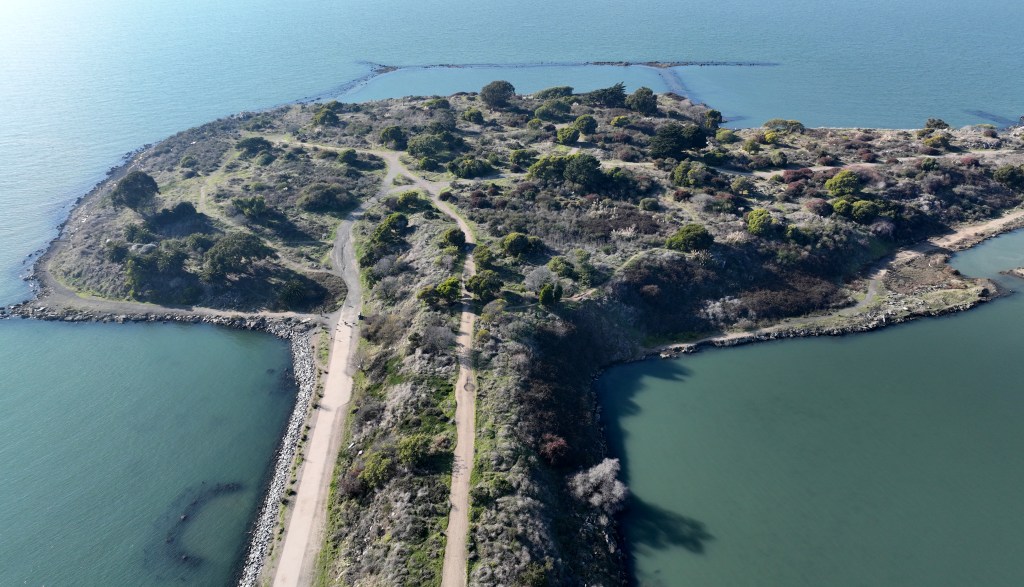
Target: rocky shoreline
[304, 367]
[877, 322]
[294, 329]
[286, 328]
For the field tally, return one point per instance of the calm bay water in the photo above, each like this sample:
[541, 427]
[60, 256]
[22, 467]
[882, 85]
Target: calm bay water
[81, 83]
[108, 435]
[892, 458]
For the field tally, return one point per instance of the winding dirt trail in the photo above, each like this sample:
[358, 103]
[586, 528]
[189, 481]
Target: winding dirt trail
[307, 522]
[456, 555]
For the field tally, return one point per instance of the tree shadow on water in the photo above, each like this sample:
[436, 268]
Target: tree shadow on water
[618, 389]
[657, 528]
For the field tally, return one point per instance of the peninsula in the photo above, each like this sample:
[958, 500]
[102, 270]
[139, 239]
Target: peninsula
[454, 271]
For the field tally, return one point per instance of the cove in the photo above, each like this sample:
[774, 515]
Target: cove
[889, 458]
[140, 461]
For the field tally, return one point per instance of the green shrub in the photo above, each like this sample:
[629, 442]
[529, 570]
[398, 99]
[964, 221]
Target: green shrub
[515, 244]
[586, 124]
[672, 140]
[689, 238]
[567, 136]
[620, 121]
[453, 237]
[393, 137]
[725, 136]
[473, 115]
[780, 125]
[691, 173]
[484, 285]
[325, 117]
[253, 146]
[377, 469]
[550, 294]
[552, 93]
[552, 111]
[562, 268]
[843, 184]
[438, 104]
[864, 211]
[253, 207]
[410, 200]
[937, 141]
[414, 450]
[497, 93]
[760, 222]
[643, 101]
[522, 157]
[841, 207]
[449, 290]
[234, 253]
[468, 167]
[649, 204]
[324, 197]
[134, 190]
[348, 157]
[483, 256]
[1012, 176]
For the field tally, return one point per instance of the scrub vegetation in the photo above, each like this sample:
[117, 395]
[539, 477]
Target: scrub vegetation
[606, 222]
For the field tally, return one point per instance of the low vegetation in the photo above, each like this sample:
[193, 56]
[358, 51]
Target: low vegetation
[606, 222]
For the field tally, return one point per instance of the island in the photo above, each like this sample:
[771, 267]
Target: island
[454, 271]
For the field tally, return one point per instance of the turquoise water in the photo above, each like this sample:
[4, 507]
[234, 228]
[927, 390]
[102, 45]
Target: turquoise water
[107, 435]
[884, 459]
[81, 83]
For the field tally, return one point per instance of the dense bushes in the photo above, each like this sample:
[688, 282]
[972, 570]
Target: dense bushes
[643, 101]
[469, 167]
[322, 197]
[674, 139]
[134, 190]
[497, 93]
[1012, 176]
[691, 237]
[234, 253]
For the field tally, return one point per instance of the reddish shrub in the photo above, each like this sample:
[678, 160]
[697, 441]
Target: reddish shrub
[818, 206]
[554, 449]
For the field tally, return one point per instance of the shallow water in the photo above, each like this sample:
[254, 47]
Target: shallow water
[890, 458]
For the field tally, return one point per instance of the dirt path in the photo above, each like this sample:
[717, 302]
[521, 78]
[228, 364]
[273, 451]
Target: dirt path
[307, 521]
[456, 556]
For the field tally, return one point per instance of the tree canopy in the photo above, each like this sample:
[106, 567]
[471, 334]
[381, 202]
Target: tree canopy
[253, 146]
[643, 101]
[497, 93]
[613, 97]
[234, 253]
[134, 190]
[674, 139]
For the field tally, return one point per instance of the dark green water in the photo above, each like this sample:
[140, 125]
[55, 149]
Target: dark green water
[889, 458]
[101, 456]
